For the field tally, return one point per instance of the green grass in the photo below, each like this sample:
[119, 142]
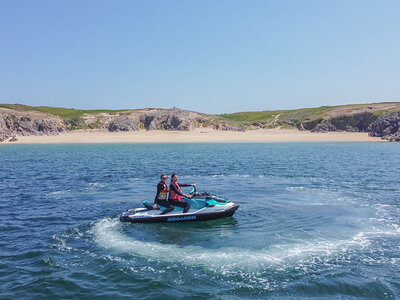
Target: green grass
[283, 118]
[252, 116]
[64, 113]
[296, 116]
[284, 115]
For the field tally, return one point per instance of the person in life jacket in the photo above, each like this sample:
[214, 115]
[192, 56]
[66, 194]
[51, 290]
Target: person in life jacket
[175, 193]
[161, 196]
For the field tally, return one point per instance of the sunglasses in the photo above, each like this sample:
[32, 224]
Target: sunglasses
[164, 177]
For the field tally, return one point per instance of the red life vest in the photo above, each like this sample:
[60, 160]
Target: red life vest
[163, 193]
[173, 195]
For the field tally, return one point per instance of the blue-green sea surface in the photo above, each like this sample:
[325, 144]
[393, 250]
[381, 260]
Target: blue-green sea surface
[315, 220]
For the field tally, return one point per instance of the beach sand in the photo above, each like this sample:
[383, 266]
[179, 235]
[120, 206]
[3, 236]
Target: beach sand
[203, 135]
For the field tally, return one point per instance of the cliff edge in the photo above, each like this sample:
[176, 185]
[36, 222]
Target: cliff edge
[378, 119]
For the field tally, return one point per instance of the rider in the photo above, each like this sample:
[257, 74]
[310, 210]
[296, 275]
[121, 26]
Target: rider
[175, 193]
[161, 196]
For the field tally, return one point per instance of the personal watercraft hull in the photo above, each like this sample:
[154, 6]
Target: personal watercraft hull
[140, 216]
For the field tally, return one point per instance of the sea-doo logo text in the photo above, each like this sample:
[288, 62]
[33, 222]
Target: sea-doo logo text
[181, 218]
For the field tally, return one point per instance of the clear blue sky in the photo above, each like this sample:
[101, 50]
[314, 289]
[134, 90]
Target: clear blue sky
[208, 56]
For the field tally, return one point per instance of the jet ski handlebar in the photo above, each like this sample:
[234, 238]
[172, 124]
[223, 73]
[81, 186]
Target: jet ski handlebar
[193, 191]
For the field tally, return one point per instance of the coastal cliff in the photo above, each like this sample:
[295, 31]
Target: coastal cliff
[380, 120]
[13, 123]
[21, 120]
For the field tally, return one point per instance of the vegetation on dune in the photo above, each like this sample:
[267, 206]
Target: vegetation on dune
[343, 117]
[64, 113]
[268, 115]
[294, 118]
[253, 116]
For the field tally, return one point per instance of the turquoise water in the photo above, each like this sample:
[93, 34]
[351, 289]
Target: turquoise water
[315, 220]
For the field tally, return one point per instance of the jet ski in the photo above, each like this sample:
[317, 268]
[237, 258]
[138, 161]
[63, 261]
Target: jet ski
[203, 206]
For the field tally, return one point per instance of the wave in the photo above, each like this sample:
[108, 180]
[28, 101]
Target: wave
[108, 234]
[94, 185]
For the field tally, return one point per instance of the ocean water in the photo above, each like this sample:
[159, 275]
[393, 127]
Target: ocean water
[315, 220]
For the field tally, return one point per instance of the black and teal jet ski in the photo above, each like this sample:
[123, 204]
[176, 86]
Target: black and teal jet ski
[203, 207]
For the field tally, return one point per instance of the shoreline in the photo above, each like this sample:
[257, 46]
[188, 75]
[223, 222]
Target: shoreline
[200, 135]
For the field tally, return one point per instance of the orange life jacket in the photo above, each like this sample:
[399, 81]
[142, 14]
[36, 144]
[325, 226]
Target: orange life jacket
[163, 193]
[173, 195]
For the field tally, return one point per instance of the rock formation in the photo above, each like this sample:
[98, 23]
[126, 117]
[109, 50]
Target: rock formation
[387, 127]
[22, 120]
[12, 125]
[324, 126]
[123, 124]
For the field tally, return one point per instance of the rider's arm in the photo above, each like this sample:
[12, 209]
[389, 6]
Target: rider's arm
[159, 188]
[175, 189]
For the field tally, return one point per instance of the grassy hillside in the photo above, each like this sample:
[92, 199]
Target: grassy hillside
[305, 118]
[297, 116]
[64, 113]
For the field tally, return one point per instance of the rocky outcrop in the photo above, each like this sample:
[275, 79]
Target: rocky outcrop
[351, 123]
[182, 120]
[12, 125]
[172, 119]
[354, 123]
[124, 124]
[21, 120]
[152, 121]
[324, 126]
[4, 132]
[309, 124]
[387, 127]
[24, 122]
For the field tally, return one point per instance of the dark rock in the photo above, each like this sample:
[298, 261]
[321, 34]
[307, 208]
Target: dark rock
[353, 123]
[24, 126]
[27, 126]
[394, 137]
[124, 124]
[387, 127]
[173, 123]
[184, 120]
[309, 125]
[176, 122]
[154, 120]
[47, 126]
[12, 125]
[13, 139]
[148, 122]
[324, 126]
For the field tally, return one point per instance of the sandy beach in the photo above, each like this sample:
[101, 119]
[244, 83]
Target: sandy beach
[195, 136]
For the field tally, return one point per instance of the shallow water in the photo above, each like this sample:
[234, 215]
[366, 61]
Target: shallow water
[315, 220]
